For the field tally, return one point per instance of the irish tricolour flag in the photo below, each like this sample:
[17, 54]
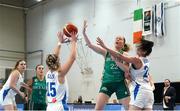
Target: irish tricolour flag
[137, 26]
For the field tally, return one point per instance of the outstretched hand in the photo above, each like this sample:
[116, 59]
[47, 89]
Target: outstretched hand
[61, 36]
[101, 43]
[74, 36]
[84, 26]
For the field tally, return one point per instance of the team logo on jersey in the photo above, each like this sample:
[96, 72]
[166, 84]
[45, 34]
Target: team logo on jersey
[104, 89]
[35, 80]
[125, 93]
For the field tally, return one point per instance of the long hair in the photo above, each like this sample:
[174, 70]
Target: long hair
[52, 61]
[146, 46]
[126, 47]
[17, 63]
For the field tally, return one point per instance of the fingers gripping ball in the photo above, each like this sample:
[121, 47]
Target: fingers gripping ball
[69, 28]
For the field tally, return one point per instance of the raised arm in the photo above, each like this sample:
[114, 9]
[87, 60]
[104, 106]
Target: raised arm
[61, 40]
[65, 68]
[95, 48]
[134, 60]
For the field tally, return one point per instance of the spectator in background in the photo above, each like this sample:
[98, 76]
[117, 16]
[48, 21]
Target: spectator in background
[80, 100]
[169, 95]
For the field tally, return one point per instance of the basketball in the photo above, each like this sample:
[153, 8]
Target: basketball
[68, 28]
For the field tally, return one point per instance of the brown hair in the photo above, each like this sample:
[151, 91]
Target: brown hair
[126, 47]
[124, 40]
[146, 46]
[38, 66]
[168, 80]
[52, 62]
[17, 63]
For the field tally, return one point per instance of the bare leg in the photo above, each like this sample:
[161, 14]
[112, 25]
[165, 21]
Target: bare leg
[125, 102]
[15, 108]
[135, 108]
[102, 99]
[8, 108]
[147, 109]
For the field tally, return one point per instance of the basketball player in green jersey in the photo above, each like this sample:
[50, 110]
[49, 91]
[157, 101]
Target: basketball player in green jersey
[113, 80]
[38, 95]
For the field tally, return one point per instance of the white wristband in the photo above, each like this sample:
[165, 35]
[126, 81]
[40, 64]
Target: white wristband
[59, 43]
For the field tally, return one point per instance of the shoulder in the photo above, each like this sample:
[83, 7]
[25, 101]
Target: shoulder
[15, 73]
[172, 88]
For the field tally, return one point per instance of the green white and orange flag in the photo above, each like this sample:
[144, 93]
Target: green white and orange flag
[137, 26]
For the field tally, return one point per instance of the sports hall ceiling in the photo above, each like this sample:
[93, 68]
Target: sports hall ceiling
[20, 3]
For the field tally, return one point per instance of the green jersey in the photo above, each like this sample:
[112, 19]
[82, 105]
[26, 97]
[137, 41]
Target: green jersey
[38, 91]
[112, 73]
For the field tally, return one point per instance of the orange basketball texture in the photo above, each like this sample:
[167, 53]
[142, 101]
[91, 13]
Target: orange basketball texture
[68, 28]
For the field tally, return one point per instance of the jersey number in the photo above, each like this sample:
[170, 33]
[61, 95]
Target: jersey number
[114, 66]
[51, 89]
[145, 76]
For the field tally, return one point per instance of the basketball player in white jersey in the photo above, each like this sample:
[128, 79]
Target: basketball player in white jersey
[142, 97]
[12, 87]
[57, 90]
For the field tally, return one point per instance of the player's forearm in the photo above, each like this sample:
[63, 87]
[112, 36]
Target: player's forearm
[73, 50]
[13, 87]
[119, 56]
[57, 49]
[115, 54]
[123, 67]
[25, 86]
[88, 43]
[93, 47]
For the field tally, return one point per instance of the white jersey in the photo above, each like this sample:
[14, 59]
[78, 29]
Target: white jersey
[56, 92]
[141, 76]
[6, 92]
[141, 91]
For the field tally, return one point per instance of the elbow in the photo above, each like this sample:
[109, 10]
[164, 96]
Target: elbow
[89, 45]
[12, 86]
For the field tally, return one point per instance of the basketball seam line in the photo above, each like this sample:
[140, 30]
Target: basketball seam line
[67, 30]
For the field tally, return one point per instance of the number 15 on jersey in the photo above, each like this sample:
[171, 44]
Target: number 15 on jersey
[51, 89]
